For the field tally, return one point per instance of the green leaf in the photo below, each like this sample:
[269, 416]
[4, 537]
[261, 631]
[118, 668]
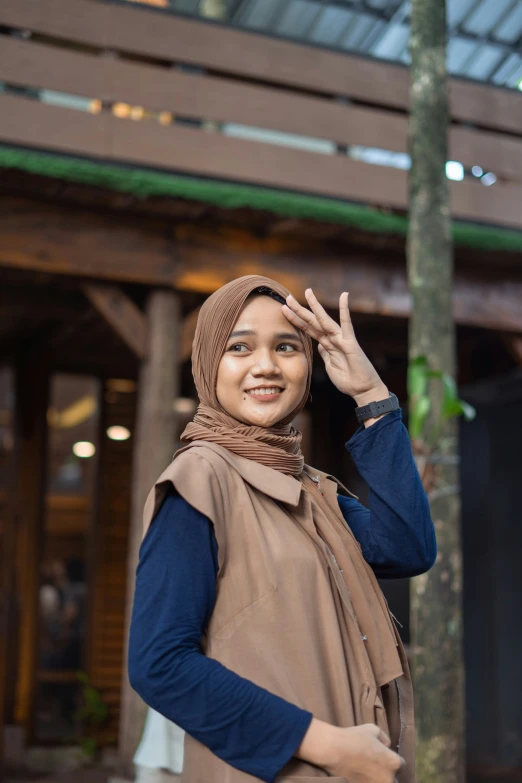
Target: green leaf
[468, 411]
[418, 413]
[450, 397]
[417, 381]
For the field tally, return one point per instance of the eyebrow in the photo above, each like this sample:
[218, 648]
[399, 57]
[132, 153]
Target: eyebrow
[278, 336]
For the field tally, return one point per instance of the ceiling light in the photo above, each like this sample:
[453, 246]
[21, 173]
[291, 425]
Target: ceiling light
[137, 113]
[454, 170]
[489, 179]
[117, 432]
[121, 110]
[477, 171]
[84, 449]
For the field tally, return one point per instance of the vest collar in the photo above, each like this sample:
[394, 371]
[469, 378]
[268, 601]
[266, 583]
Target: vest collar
[273, 483]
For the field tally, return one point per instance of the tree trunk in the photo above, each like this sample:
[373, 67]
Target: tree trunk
[437, 659]
[153, 449]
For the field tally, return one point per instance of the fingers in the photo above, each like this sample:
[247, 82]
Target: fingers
[382, 737]
[344, 315]
[299, 322]
[327, 324]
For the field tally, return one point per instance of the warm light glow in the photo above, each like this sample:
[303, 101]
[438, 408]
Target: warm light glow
[95, 106]
[121, 110]
[117, 432]
[137, 113]
[185, 405]
[165, 117]
[159, 3]
[121, 385]
[76, 413]
[84, 449]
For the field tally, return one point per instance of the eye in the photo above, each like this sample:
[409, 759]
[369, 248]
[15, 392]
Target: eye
[237, 348]
[289, 346]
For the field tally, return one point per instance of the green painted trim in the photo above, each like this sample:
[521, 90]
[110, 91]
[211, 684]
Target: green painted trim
[145, 182]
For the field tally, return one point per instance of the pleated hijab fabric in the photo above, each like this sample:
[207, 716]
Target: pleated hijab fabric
[279, 448]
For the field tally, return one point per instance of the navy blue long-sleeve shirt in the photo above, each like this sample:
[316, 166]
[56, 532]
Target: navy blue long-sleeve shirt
[242, 723]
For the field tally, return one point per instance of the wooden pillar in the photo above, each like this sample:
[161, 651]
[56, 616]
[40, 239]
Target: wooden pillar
[31, 399]
[153, 449]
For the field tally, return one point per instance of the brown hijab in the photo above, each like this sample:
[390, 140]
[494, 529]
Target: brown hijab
[279, 448]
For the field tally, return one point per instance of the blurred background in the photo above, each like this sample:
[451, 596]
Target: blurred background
[151, 151]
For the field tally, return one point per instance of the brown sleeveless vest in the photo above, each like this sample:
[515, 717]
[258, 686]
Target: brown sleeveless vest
[278, 618]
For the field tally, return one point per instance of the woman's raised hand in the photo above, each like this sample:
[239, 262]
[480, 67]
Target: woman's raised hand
[347, 365]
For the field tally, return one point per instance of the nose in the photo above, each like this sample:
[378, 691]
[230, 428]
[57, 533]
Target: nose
[265, 364]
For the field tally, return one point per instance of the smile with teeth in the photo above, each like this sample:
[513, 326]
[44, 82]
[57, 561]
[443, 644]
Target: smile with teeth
[265, 392]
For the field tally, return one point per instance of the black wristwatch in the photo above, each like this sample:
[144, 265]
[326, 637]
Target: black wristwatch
[374, 409]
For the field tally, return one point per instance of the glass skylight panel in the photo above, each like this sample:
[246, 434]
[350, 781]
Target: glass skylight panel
[516, 76]
[485, 62]
[507, 69]
[382, 5]
[186, 6]
[392, 43]
[297, 18]
[459, 52]
[331, 25]
[487, 15]
[259, 13]
[358, 31]
[510, 29]
[458, 10]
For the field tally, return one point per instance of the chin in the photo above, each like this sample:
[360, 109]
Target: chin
[268, 419]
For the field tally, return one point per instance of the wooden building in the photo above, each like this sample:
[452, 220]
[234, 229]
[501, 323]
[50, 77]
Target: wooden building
[145, 160]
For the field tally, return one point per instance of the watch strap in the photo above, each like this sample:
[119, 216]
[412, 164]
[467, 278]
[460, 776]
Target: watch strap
[377, 408]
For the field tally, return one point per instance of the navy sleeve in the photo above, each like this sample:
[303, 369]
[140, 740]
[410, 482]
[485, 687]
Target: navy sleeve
[396, 533]
[245, 725]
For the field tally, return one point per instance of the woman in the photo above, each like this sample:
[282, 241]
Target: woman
[259, 626]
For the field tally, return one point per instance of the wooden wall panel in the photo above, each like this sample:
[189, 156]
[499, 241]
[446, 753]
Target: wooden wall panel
[210, 154]
[170, 37]
[222, 100]
[109, 561]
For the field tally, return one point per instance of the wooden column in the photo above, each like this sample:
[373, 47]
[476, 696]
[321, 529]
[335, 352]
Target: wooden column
[153, 449]
[32, 390]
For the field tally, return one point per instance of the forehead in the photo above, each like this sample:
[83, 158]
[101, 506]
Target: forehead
[263, 312]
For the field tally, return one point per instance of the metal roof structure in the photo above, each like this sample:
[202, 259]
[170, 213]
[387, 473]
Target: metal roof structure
[485, 36]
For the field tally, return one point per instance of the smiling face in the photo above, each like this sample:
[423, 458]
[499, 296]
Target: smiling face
[263, 372]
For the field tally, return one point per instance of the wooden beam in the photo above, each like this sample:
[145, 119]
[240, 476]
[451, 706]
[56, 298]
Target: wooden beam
[221, 100]
[251, 55]
[197, 152]
[154, 444]
[192, 150]
[122, 314]
[80, 243]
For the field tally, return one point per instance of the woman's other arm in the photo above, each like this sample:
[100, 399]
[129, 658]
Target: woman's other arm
[396, 533]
